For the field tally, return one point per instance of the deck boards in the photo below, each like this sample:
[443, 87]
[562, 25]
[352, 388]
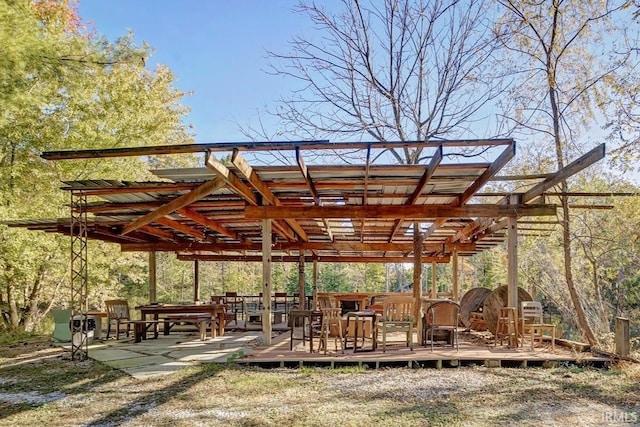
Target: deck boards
[475, 349]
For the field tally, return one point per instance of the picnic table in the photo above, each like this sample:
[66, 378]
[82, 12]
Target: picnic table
[153, 312]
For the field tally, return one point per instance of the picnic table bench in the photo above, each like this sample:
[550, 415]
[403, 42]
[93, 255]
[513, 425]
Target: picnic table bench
[200, 320]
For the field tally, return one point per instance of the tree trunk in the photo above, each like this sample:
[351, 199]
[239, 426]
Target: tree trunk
[568, 263]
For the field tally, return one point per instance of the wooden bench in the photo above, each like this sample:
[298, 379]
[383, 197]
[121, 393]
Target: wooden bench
[200, 320]
[140, 328]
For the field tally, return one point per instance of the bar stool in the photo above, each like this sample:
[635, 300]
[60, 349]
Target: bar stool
[507, 327]
[360, 318]
[306, 318]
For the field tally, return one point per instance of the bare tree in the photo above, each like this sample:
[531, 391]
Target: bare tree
[387, 71]
[556, 44]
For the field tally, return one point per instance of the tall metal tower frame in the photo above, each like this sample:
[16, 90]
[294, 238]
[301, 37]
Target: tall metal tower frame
[79, 324]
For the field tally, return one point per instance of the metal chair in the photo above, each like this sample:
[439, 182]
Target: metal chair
[443, 316]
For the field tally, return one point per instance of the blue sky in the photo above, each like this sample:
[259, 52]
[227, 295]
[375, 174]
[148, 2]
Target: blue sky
[217, 49]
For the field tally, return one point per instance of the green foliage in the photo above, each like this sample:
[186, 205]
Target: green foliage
[62, 88]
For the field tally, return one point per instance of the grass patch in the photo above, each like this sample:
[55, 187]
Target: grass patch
[41, 385]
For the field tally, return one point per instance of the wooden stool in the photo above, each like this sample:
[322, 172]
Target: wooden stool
[507, 327]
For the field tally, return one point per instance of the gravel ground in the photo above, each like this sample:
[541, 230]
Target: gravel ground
[40, 385]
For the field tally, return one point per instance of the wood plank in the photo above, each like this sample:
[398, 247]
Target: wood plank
[312, 189]
[184, 200]
[495, 167]
[291, 246]
[295, 258]
[571, 169]
[178, 226]
[250, 175]
[231, 179]
[390, 211]
[417, 192]
[210, 224]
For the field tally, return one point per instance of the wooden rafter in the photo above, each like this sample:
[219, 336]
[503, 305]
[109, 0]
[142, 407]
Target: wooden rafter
[302, 166]
[236, 184]
[210, 224]
[390, 211]
[154, 231]
[250, 175]
[290, 258]
[498, 164]
[184, 200]
[178, 226]
[574, 167]
[291, 246]
[424, 180]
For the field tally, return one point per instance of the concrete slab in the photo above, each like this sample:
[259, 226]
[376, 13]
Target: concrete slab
[151, 371]
[210, 355]
[107, 354]
[138, 362]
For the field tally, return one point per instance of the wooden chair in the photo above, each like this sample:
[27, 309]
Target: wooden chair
[118, 311]
[397, 316]
[280, 304]
[507, 327]
[234, 303]
[229, 314]
[442, 316]
[331, 326]
[532, 323]
[326, 301]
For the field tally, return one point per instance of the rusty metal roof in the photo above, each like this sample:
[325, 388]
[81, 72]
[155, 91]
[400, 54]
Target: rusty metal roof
[357, 207]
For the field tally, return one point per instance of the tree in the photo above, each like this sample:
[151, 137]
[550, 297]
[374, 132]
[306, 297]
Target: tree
[404, 70]
[61, 88]
[562, 80]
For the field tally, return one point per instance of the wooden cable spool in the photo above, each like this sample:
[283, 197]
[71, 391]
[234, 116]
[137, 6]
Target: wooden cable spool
[472, 301]
[498, 299]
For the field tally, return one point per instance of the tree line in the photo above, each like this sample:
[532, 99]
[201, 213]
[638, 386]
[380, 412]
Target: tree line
[559, 76]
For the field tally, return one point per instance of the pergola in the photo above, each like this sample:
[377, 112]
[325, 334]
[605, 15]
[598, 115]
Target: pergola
[309, 201]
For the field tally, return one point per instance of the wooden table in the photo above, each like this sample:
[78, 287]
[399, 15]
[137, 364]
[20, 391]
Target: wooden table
[361, 301]
[155, 310]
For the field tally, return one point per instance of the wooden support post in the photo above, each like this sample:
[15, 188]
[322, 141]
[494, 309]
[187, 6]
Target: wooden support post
[301, 284]
[454, 267]
[622, 337]
[434, 281]
[152, 277]
[315, 284]
[417, 276]
[266, 281]
[512, 261]
[196, 280]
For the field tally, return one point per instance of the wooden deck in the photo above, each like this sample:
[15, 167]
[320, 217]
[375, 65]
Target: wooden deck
[475, 349]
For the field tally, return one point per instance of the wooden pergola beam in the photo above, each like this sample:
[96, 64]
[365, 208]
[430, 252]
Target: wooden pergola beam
[312, 188]
[184, 200]
[504, 157]
[294, 258]
[210, 224]
[236, 184]
[297, 246]
[390, 211]
[250, 175]
[178, 226]
[574, 167]
[417, 192]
